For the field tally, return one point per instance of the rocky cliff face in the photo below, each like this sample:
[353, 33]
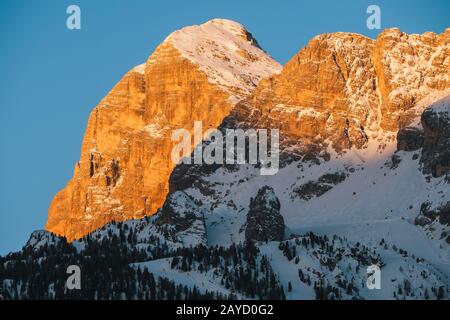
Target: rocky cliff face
[349, 111]
[264, 220]
[343, 89]
[197, 74]
[182, 220]
[436, 145]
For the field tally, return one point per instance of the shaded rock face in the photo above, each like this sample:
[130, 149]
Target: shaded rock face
[436, 147]
[409, 139]
[427, 215]
[197, 74]
[264, 220]
[317, 188]
[182, 220]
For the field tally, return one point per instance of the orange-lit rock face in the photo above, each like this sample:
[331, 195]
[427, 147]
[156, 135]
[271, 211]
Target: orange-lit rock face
[408, 68]
[340, 90]
[196, 74]
[344, 88]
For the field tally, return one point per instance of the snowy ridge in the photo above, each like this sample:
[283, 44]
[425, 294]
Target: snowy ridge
[427, 102]
[181, 220]
[442, 107]
[41, 238]
[226, 52]
[139, 68]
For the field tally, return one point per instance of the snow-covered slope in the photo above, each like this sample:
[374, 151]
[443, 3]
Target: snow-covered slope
[41, 238]
[226, 52]
[442, 107]
[340, 267]
[366, 195]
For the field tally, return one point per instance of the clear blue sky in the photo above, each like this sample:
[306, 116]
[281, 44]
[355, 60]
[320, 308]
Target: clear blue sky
[51, 78]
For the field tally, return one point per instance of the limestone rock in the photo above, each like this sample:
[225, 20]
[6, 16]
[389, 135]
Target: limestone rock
[264, 220]
[197, 74]
[343, 89]
[409, 139]
[181, 220]
[436, 146]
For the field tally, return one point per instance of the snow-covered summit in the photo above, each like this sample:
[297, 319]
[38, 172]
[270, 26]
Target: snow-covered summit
[226, 52]
[139, 68]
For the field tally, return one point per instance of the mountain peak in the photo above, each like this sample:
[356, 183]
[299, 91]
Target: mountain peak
[198, 73]
[226, 52]
[214, 25]
[227, 24]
